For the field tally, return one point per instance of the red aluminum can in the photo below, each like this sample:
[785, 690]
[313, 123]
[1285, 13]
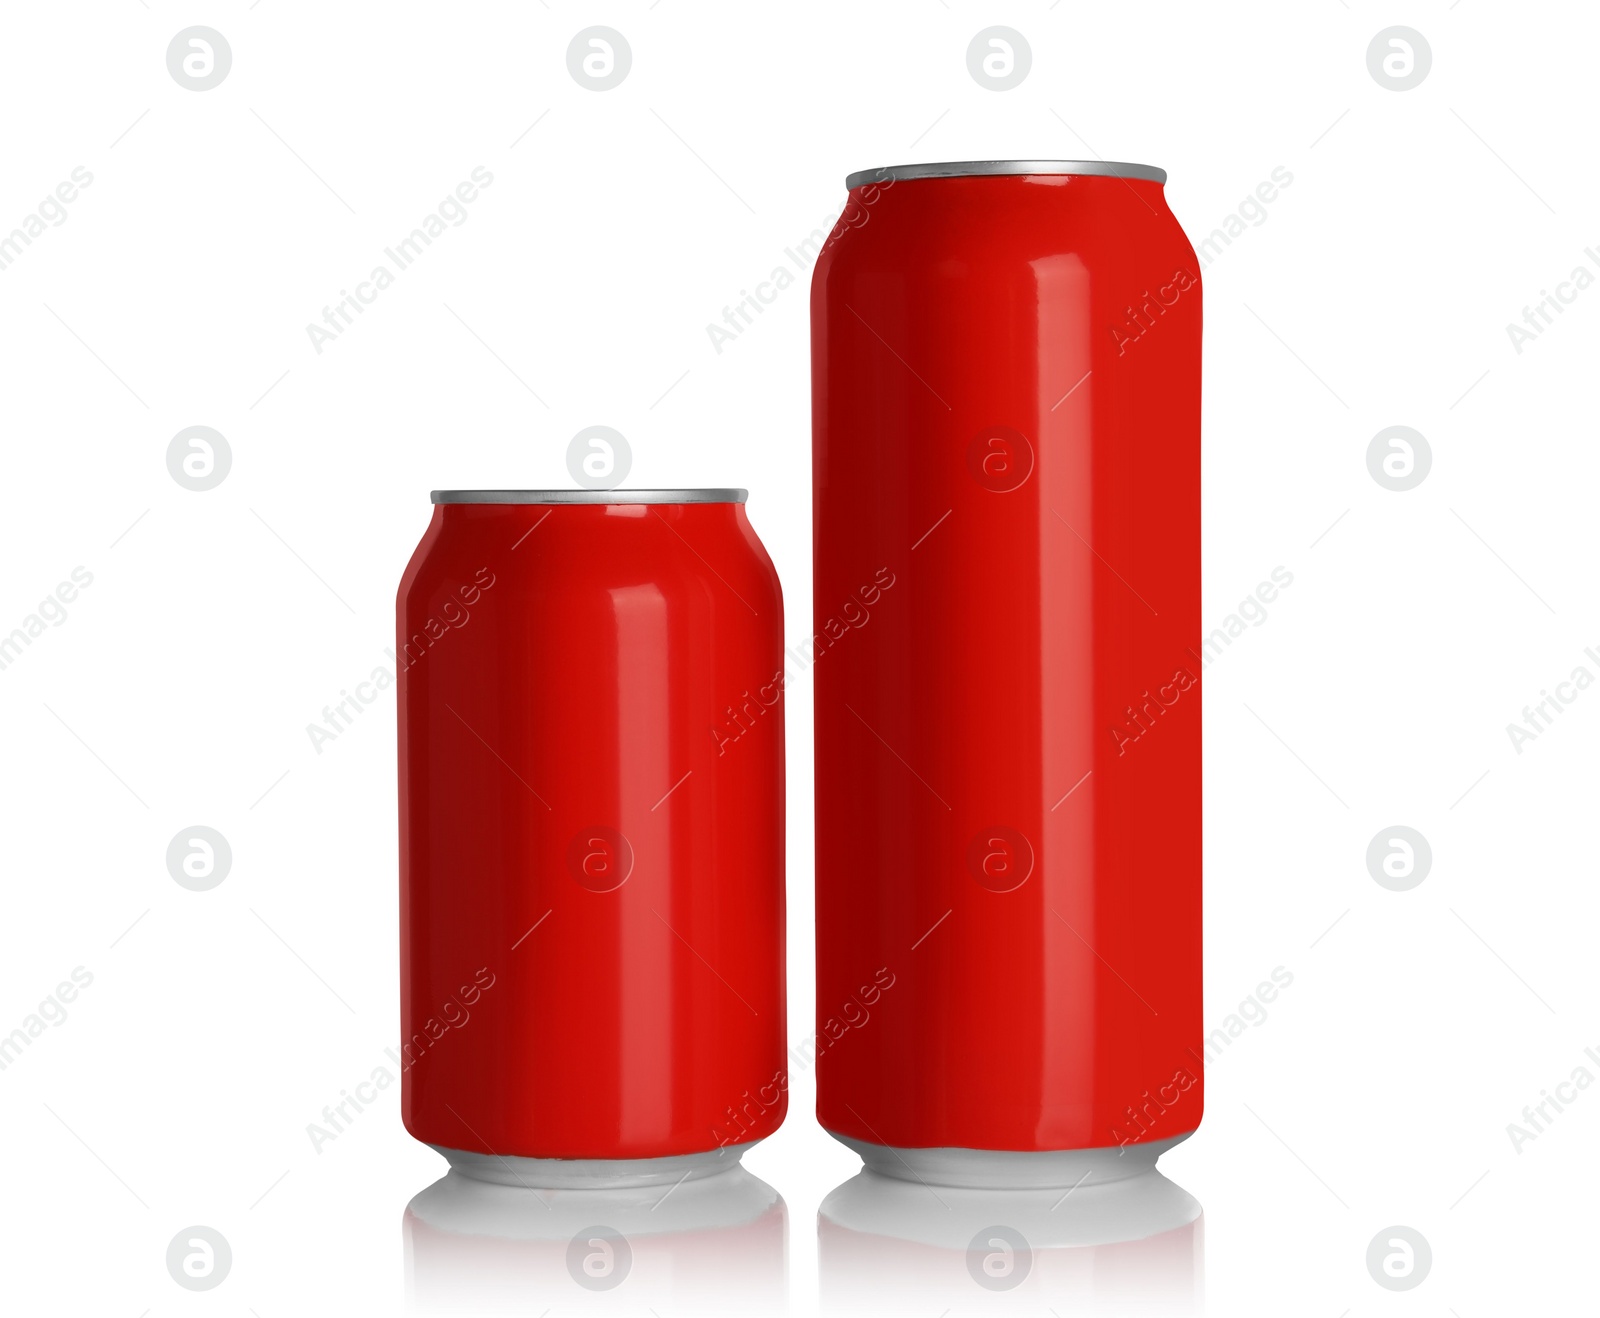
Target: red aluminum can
[591, 835]
[1006, 412]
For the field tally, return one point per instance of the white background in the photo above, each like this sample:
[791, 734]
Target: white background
[177, 691]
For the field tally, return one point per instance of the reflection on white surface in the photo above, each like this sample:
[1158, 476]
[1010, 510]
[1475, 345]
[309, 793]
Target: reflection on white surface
[717, 1245]
[889, 1246]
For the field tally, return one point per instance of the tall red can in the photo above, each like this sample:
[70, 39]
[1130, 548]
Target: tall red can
[591, 835]
[1006, 411]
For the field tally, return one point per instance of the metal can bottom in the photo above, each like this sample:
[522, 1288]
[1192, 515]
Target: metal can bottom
[593, 1173]
[1011, 1169]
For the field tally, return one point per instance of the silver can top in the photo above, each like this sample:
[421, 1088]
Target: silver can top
[589, 496]
[968, 168]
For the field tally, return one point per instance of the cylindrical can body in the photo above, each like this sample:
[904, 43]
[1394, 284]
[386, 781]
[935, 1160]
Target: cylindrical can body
[591, 829]
[1006, 411]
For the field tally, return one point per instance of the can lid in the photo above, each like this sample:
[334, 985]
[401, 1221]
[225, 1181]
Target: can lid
[967, 168]
[589, 496]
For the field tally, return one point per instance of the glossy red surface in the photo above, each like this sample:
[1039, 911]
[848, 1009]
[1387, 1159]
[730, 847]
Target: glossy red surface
[591, 846]
[1006, 411]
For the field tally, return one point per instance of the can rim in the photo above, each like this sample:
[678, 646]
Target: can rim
[967, 168]
[589, 496]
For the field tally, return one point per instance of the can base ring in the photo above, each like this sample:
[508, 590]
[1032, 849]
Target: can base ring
[593, 1173]
[1011, 1169]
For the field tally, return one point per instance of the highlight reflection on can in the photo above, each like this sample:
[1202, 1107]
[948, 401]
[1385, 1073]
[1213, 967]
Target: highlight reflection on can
[1006, 413]
[592, 952]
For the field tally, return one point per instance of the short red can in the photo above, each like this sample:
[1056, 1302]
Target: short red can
[1006, 413]
[591, 835]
